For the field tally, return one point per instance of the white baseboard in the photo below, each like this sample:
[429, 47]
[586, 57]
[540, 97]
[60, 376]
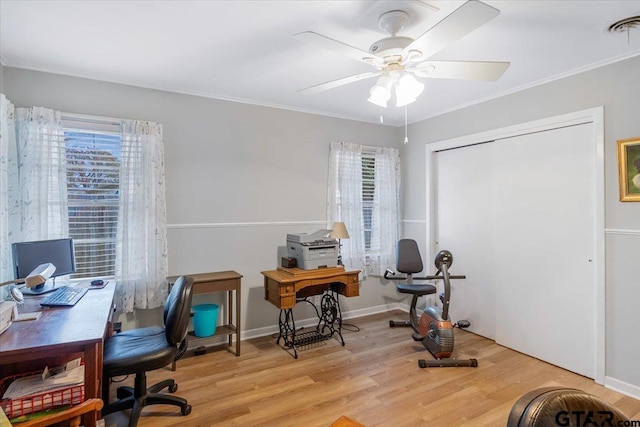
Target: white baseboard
[312, 321]
[622, 387]
[372, 310]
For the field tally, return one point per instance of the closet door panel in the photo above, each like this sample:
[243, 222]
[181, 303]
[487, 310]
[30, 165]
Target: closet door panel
[518, 214]
[544, 244]
[464, 215]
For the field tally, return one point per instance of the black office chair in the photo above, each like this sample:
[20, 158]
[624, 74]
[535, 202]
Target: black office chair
[409, 262]
[138, 351]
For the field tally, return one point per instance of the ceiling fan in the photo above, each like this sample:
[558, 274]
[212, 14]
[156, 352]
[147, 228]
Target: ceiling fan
[398, 60]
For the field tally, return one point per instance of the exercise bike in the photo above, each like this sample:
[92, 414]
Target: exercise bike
[434, 328]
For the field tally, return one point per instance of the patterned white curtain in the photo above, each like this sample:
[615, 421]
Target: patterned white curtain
[344, 201]
[386, 210]
[38, 208]
[7, 152]
[141, 252]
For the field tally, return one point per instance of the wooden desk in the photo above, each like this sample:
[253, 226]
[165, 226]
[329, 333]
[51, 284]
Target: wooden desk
[59, 334]
[219, 281]
[286, 286]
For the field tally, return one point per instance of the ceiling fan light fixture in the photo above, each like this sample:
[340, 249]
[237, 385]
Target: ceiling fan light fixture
[378, 99]
[408, 90]
[408, 84]
[380, 93]
[399, 59]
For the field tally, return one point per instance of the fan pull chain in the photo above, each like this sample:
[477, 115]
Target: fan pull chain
[406, 137]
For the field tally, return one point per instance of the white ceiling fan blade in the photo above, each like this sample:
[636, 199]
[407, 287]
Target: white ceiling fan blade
[338, 47]
[464, 70]
[336, 83]
[460, 22]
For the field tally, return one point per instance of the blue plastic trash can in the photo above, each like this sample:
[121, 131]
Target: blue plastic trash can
[205, 317]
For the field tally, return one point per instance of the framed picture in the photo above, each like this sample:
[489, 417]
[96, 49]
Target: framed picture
[629, 169]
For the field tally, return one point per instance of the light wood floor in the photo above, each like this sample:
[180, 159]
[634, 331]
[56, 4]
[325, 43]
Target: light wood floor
[374, 379]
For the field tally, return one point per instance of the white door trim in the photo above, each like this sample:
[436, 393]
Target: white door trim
[592, 115]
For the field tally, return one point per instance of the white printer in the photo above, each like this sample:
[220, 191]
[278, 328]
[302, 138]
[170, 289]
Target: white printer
[313, 250]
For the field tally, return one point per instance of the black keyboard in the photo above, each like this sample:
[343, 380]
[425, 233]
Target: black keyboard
[65, 296]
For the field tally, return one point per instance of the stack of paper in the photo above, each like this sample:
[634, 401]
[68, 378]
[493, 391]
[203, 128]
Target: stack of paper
[54, 387]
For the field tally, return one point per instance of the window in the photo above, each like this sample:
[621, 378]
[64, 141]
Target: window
[101, 182]
[92, 191]
[93, 180]
[364, 193]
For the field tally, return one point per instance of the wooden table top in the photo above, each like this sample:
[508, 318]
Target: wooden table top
[83, 323]
[209, 277]
[292, 275]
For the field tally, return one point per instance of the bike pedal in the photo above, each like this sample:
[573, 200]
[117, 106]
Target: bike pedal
[417, 337]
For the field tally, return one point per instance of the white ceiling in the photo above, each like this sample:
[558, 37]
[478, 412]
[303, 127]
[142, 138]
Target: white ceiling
[244, 50]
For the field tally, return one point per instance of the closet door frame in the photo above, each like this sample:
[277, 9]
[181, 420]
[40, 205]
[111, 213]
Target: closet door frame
[592, 115]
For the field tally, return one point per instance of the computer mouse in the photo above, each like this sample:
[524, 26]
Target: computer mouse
[97, 282]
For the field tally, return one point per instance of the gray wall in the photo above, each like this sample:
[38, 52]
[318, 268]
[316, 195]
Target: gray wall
[617, 88]
[239, 178]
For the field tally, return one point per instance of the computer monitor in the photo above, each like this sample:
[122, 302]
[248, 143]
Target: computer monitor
[29, 255]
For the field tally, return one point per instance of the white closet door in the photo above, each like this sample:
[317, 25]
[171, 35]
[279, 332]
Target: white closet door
[545, 241]
[465, 210]
[518, 215]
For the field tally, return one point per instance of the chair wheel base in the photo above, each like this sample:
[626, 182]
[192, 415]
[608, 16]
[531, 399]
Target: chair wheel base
[186, 410]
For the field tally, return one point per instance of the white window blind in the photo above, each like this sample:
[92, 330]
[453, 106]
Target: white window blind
[368, 192]
[93, 153]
